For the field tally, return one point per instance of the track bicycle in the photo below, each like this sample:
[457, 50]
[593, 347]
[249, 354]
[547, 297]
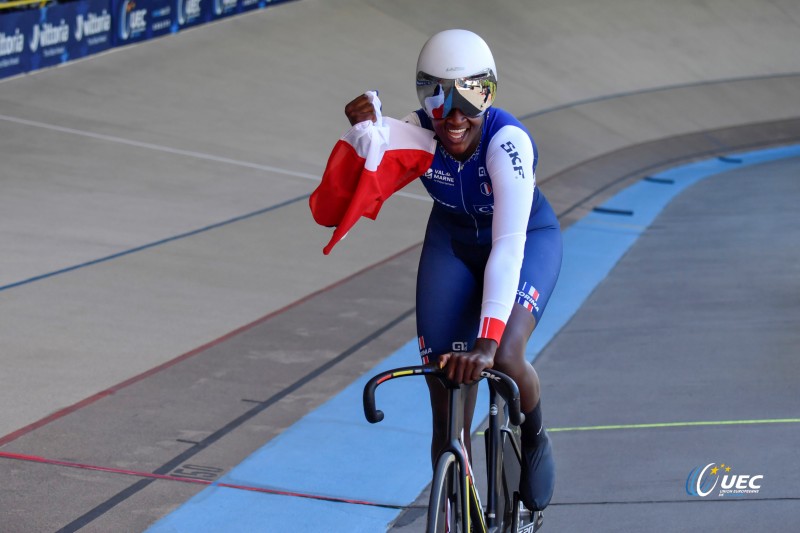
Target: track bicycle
[455, 505]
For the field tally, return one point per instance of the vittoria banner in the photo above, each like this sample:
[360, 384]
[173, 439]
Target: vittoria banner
[36, 38]
[15, 30]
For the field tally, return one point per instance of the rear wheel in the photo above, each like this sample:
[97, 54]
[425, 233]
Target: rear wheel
[445, 508]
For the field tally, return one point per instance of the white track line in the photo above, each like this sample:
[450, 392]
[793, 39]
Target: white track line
[178, 151]
[161, 148]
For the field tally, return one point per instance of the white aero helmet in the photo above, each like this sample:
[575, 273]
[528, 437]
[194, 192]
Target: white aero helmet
[455, 70]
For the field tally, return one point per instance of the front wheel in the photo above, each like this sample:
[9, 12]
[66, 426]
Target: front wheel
[446, 506]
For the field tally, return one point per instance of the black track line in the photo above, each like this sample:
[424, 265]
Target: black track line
[169, 466]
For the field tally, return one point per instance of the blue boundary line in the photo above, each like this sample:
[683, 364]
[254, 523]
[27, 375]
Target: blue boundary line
[152, 244]
[333, 451]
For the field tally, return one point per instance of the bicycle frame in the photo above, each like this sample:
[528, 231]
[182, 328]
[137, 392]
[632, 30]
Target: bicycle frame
[495, 513]
[504, 510]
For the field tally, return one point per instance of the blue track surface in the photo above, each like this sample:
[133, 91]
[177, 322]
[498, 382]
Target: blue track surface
[334, 452]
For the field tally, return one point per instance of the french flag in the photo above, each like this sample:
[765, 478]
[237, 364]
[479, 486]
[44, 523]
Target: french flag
[367, 165]
[533, 293]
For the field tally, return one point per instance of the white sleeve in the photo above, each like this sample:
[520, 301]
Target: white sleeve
[510, 162]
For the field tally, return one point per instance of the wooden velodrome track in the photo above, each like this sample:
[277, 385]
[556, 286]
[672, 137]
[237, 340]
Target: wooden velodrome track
[159, 261]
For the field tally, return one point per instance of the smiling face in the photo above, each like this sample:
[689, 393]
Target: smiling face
[458, 133]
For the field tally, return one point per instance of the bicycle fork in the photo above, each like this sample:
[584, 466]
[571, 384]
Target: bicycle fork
[473, 509]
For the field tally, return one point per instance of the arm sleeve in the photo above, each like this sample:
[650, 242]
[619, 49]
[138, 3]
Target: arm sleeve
[511, 163]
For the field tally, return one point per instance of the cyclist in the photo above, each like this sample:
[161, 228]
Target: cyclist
[492, 248]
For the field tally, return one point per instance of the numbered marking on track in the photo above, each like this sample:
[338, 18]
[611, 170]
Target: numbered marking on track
[208, 473]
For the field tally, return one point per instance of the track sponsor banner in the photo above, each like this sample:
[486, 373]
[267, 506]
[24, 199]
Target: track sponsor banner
[225, 8]
[92, 27]
[36, 38]
[15, 30]
[137, 20]
[32, 39]
[193, 12]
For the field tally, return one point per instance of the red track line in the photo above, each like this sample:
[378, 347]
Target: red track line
[172, 362]
[150, 475]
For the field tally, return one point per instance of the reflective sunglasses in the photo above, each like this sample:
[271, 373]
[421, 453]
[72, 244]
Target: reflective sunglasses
[473, 95]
